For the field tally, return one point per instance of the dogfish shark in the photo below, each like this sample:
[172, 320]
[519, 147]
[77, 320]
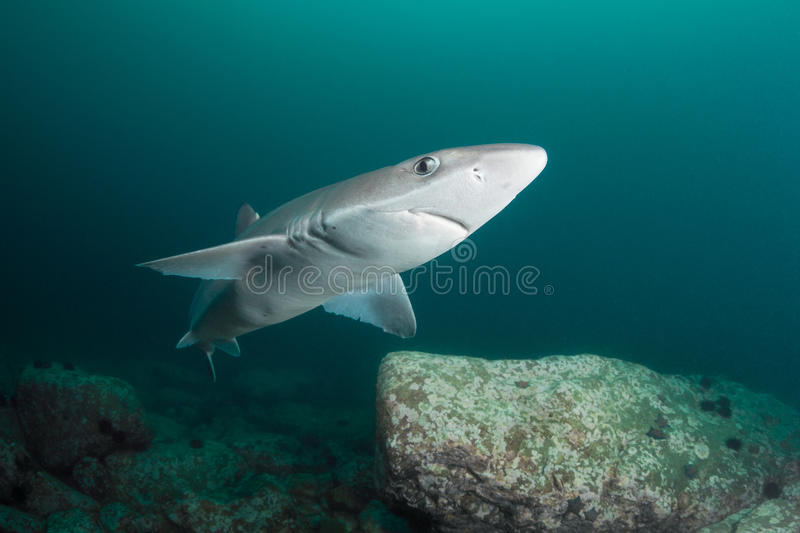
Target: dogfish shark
[344, 246]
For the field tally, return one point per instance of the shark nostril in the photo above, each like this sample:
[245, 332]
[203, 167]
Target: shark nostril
[478, 177]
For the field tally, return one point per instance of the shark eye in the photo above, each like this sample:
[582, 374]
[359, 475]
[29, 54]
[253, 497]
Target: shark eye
[426, 166]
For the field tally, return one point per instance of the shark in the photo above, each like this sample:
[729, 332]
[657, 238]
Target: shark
[344, 246]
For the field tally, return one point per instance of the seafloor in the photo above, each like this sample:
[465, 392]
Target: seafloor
[562, 443]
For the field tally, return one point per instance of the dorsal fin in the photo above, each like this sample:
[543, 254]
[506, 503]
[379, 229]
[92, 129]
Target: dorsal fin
[245, 218]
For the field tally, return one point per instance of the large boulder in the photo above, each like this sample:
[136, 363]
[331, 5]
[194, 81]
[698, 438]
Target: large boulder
[67, 414]
[574, 443]
[778, 514]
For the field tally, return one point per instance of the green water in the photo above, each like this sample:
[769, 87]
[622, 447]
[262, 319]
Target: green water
[666, 221]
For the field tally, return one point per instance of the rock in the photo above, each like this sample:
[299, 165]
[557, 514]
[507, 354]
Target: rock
[331, 525]
[308, 487]
[14, 464]
[32, 490]
[260, 504]
[118, 517]
[14, 521]
[72, 521]
[276, 454]
[773, 516]
[778, 515]
[164, 472]
[376, 518]
[91, 477]
[573, 443]
[66, 415]
[45, 494]
[9, 428]
[354, 480]
[346, 498]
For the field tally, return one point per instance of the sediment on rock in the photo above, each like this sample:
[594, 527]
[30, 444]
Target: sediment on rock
[574, 443]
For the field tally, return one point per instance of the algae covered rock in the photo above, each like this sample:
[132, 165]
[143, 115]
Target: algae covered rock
[14, 464]
[72, 521]
[118, 517]
[780, 513]
[32, 490]
[375, 518]
[259, 504]
[45, 494]
[164, 472]
[574, 443]
[66, 414]
[15, 521]
[276, 454]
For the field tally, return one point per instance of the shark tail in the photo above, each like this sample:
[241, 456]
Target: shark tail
[229, 346]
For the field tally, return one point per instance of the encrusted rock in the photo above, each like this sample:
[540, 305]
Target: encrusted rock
[375, 518]
[589, 443]
[72, 521]
[276, 454]
[90, 475]
[67, 415]
[165, 472]
[24, 485]
[14, 463]
[14, 521]
[45, 494]
[260, 504]
[121, 518]
[774, 515]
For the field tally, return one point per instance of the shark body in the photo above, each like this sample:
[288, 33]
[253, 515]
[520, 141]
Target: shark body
[343, 246]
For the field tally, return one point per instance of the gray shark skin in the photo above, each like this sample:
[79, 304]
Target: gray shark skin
[343, 246]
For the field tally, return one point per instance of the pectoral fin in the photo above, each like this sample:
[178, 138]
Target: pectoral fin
[385, 305]
[227, 261]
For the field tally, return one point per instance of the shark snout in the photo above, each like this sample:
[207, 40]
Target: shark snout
[513, 166]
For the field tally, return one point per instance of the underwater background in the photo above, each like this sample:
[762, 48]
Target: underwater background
[666, 222]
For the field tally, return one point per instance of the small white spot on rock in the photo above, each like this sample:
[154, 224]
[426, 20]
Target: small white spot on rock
[701, 450]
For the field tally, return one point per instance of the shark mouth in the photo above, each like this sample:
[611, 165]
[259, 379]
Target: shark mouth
[447, 218]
